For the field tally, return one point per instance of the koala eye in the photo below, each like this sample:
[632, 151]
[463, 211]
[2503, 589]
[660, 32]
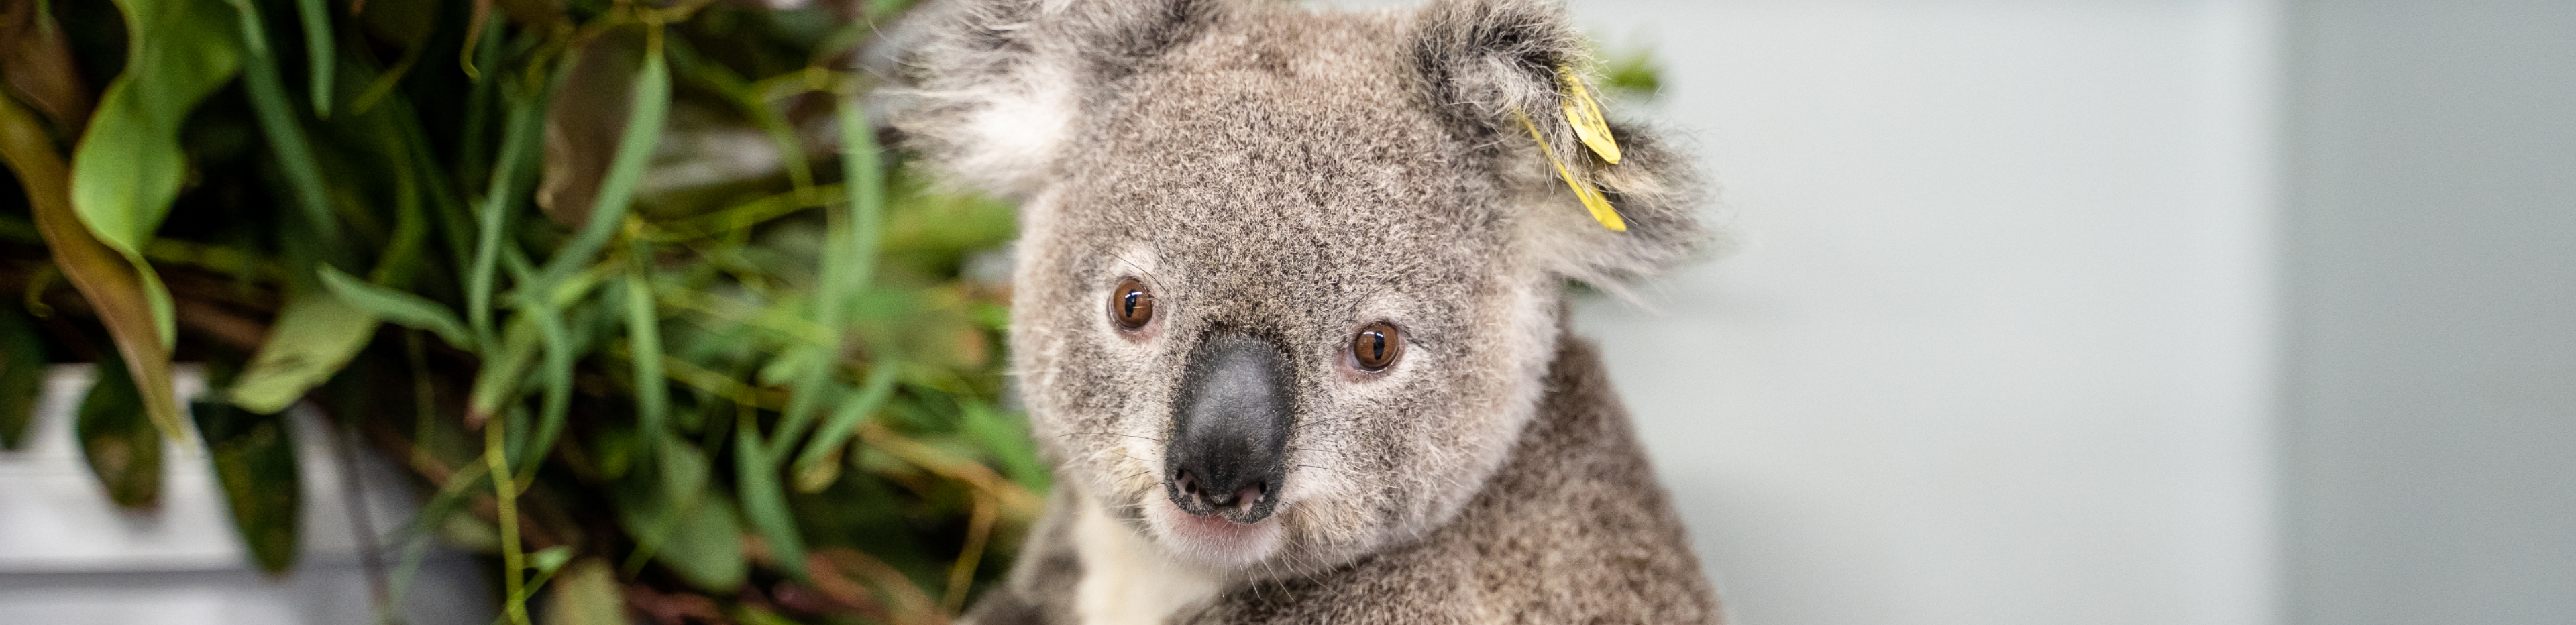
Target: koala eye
[1376, 346]
[1130, 305]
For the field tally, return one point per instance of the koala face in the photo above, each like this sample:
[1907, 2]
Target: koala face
[1288, 281]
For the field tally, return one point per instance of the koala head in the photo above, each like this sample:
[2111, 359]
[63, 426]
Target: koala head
[1288, 281]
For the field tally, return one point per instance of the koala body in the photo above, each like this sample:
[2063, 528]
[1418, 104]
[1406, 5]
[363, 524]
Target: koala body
[1288, 311]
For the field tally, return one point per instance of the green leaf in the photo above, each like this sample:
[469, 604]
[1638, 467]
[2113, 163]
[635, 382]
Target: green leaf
[314, 337]
[644, 346]
[317, 51]
[705, 547]
[126, 296]
[281, 125]
[399, 307]
[129, 164]
[856, 235]
[587, 593]
[504, 370]
[519, 141]
[1007, 439]
[118, 441]
[817, 457]
[23, 363]
[677, 520]
[762, 500]
[556, 378]
[644, 121]
[549, 560]
[254, 459]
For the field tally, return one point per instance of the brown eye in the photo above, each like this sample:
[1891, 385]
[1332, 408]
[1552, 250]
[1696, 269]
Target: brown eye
[1376, 346]
[1130, 305]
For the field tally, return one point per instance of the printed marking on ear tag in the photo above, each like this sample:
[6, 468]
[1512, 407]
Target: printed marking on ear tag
[1592, 199]
[1584, 114]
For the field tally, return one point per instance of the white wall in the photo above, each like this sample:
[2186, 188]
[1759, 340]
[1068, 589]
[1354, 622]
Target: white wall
[1996, 348]
[70, 557]
[2431, 357]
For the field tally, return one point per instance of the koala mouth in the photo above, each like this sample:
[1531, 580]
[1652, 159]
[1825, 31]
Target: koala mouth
[1227, 455]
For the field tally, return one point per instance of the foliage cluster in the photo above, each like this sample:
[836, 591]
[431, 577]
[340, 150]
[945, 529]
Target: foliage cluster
[630, 287]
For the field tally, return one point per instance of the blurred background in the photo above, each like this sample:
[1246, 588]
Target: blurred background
[2119, 311]
[2210, 312]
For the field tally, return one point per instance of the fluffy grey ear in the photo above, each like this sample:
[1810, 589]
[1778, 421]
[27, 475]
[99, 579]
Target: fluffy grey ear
[1492, 69]
[991, 89]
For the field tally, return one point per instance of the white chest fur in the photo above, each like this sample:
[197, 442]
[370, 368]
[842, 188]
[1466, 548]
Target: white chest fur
[1127, 580]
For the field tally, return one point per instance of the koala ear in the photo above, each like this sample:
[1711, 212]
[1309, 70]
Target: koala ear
[1496, 71]
[991, 89]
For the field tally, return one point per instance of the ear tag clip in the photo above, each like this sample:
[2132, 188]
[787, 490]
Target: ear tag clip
[1584, 114]
[1592, 199]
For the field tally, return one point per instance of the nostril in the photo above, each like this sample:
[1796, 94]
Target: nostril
[1188, 486]
[1250, 495]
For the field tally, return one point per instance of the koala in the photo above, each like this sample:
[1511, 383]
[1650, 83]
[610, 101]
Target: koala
[1289, 309]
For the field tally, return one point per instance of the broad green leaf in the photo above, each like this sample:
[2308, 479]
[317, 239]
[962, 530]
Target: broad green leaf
[129, 165]
[119, 291]
[587, 593]
[762, 500]
[22, 374]
[118, 442]
[313, 338]
[705, 547]
[678, 520]
[254, 458]
[399, 307]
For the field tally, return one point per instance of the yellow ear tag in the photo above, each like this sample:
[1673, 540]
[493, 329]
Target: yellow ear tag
[1584, 114]
[1592, 199]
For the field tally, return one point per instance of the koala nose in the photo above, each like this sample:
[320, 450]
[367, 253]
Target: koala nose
[1227, 454]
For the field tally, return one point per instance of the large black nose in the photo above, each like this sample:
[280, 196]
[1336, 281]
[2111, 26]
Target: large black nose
[1230, 429]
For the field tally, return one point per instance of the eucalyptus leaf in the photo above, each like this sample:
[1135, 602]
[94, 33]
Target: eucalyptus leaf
[117, 440]
[846, 418]
[254, 460]
[279, 121]
[316, 17]
[129, 164]
[587, 593]
[399, 307]
[644, 327]
[762, 500]
[314, 337]
[119, 291]
[23, 364]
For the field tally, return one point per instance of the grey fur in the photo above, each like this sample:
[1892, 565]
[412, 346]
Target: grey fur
[1298, 175]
